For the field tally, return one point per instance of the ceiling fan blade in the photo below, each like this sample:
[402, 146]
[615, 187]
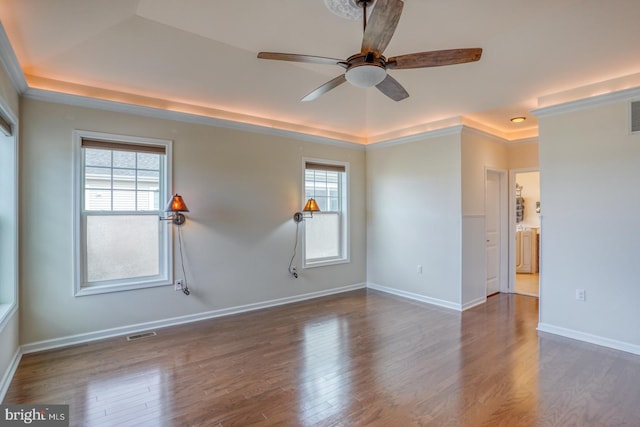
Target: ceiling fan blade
[435, 58]
[294, 57]
[394, 90]
[381, 26]
[331, 84]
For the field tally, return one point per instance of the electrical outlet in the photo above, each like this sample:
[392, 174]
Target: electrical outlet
[419, 269]
[177, 286]
[581, 294]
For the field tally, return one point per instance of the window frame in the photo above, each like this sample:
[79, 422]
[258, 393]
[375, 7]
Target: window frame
[345, 222]
[81, 286]
[9, 296]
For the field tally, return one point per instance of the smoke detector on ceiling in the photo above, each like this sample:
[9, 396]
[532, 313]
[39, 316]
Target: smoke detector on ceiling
[348, 9]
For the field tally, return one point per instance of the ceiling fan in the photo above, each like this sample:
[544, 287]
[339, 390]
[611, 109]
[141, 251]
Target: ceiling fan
[369, 67]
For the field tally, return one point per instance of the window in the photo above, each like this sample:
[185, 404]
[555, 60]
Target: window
[8, 218]
[121, 185]
[325, 234]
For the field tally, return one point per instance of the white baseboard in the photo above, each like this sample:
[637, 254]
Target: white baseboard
[125, 330]
[9, 373]
[593, 339]
[473, 303]
[416, 297]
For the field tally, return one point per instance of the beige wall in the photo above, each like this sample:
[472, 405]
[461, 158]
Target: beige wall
[425, 206]
[413, 217]
[242, 189]
[523, 155]
[589, 175]
[480, 152]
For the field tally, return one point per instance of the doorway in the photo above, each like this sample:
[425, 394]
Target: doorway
[525, 232]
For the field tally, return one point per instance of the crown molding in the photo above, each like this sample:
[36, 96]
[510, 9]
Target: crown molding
[160, 113]
[532, 140]
[156, 108]
[450, 130]
[451, 126]
[591, 102]
[483, 133]
[456, 129]
[500, 139]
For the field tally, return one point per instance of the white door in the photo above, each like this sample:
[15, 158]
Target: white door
[492, 228]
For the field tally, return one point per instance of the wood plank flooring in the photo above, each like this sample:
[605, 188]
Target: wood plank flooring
[528, 284]
[359, 358]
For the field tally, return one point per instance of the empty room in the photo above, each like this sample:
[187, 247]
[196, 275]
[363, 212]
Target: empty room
[319, 213]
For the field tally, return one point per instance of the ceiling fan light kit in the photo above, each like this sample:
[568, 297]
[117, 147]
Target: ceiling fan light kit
[365, 70]
[365, 75]
[369, 68]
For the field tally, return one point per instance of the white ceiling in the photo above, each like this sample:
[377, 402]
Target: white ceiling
[203, 53]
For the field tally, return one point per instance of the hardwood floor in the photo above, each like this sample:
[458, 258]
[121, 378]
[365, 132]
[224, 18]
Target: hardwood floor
[359, 358]
[528, 284]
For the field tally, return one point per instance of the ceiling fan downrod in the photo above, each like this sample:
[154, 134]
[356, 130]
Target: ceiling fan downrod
[363, 4]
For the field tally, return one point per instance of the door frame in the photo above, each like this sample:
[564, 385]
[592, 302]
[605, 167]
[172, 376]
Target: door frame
[503, 279]
[512, 224]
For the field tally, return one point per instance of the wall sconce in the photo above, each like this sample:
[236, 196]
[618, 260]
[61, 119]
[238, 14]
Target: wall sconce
[311, 207]
[176, 206]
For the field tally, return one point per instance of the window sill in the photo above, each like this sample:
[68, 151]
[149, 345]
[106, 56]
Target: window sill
[107, 289]
[326, 263]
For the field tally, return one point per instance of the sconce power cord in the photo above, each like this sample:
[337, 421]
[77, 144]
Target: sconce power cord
[292, 269]
[185, 288]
